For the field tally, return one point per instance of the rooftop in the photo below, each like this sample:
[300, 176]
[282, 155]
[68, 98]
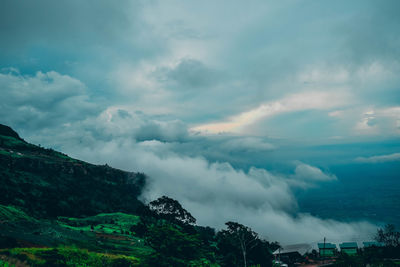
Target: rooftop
[348, 245]
[327, 245]
[300, 248]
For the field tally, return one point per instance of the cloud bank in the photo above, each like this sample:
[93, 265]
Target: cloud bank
[214, 192]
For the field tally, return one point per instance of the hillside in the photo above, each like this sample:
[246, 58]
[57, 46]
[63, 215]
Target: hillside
[46, 183]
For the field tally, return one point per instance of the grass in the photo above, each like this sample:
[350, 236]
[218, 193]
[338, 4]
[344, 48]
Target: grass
[110, 231]
[103, 233]
[9, 144]
[67, 256]
[5, 264]
[11, 213]
[108, 223]
[12, 142]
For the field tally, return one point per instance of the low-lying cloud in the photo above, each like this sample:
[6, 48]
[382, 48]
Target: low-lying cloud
[306, 176]
[379, 159]
[216, 192]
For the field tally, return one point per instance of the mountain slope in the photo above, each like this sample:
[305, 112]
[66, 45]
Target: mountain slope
[46, 183]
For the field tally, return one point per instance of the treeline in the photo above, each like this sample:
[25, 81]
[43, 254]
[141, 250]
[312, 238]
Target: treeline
[177, 241]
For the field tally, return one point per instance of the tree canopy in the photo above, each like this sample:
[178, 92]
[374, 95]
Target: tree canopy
[171, 210]
[389, 236]
[239, 245]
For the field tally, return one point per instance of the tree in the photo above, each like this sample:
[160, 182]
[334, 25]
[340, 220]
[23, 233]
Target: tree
[389, 236]
[171, 210]
[172, 246]
[237, 242]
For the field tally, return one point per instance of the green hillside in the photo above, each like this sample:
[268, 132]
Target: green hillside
[46, 183]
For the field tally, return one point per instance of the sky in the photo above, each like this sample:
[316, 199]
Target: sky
[230, 107]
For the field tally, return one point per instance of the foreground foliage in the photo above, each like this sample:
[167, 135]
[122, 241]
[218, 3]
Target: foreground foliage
[67, 256]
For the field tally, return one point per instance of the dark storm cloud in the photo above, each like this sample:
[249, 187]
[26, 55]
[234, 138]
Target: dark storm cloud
[24, 23]
[373, 33]
[192, 74]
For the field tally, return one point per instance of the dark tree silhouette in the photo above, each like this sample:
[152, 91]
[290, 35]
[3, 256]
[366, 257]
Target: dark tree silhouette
[239, 238]
[389, 236]
[171, 210]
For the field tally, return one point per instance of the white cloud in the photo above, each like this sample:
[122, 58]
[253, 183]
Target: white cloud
[215, 192]
[379, 121]
[378, 159]
[307, 176]
[127, 122]
[137, 84]
[44, 99]
[296, 102]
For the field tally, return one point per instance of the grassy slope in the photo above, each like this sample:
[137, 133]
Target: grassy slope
[102, 238]
[46, 183]
[64, 256]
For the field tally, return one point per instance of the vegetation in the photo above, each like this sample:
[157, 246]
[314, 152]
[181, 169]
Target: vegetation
[238, 245]
[171, 210]
[66, 256]
[389, 236]
[47, 184]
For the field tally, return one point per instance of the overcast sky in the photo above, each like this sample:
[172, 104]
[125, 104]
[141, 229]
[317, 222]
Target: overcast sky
[208, 94]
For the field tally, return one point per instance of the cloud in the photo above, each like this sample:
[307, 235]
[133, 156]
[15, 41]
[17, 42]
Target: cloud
[44, 21]
[380, 159]
[291, 103]
[371, 34]
[246, 144]
[215, 192]
[307, 176]
[307, 172]
[43, 100]
[191, 74]
[187, 61]
[379, 121]
[163, 131]
[126, 122]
